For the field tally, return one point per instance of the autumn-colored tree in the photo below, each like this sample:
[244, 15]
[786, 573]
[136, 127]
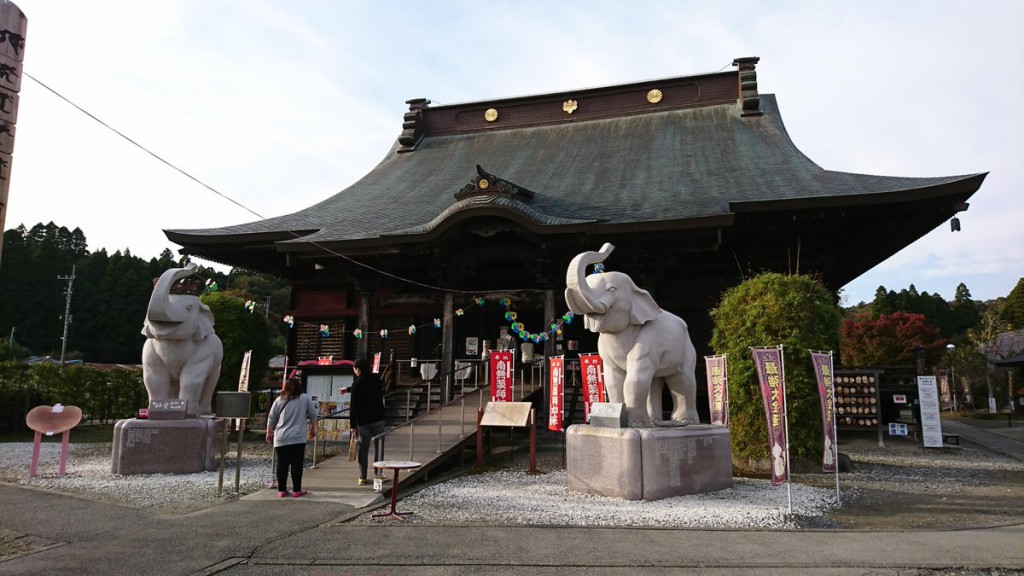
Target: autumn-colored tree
[892, 339]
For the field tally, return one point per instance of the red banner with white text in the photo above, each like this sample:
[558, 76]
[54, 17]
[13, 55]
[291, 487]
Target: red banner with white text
[773, 392]
[822, 362]
[501, 375]
[718, 389]
[555, 398]
[593, 382]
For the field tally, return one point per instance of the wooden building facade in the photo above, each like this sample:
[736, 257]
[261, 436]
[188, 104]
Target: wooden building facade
[693, 179]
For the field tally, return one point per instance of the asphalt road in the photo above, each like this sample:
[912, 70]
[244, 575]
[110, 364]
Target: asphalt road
[47, 533]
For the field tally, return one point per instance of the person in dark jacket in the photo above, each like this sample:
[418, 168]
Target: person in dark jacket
[366, 410]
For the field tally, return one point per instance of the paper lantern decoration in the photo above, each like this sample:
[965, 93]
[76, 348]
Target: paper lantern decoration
[598, 268]
[412, 330]
[357, 333]
[479, 301]
[459, 312]
[211, 286]
[250, 305]
[437, 323]
[289, 320]
[384, 334]
[325, 330]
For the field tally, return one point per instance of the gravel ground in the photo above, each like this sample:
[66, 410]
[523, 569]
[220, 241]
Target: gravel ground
[88, 474]
[510, 495]
[885, 483]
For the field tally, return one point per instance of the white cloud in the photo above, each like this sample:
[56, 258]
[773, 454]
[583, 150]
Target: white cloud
[279, 105]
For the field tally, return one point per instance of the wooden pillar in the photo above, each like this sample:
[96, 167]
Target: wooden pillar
[363, 344]
[448, 346]
[549, 344]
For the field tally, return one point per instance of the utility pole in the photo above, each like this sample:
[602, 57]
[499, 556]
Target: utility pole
[67, 312]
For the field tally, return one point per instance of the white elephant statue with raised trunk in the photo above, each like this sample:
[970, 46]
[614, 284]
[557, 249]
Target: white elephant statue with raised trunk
[182, 355]
[643, 347]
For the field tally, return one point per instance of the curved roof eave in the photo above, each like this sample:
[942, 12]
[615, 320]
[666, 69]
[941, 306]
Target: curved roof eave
[656, 168]
[901, 190]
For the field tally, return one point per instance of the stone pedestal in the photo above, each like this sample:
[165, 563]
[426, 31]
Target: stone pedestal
[648, 463]
[167, 446]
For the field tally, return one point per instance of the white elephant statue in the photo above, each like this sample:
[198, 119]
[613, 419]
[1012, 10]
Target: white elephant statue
[182, 355]
[643, 347]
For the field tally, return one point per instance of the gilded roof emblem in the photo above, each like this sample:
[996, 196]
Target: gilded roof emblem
[491, 115]
[569, 106]
[654, 96]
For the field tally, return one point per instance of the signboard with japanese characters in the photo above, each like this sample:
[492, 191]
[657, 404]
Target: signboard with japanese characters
[773, 393]
[718, 389]
[501, 375]
[555, 402]
[593, 382]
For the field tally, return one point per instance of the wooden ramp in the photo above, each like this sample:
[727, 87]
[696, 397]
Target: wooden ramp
[431, 440]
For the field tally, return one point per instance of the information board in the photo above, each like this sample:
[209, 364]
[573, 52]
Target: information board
[515, 414]
[931, 426]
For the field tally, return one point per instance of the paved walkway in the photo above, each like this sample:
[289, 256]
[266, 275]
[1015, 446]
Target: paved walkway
[1008, 440]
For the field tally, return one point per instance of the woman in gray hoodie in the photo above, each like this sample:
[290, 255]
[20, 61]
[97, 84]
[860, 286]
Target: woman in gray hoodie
[286, 426]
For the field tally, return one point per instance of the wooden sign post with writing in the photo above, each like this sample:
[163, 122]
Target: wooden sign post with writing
[512, 415]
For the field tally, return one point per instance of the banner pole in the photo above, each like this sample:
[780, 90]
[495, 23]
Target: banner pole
[835, 434]
[785, 419]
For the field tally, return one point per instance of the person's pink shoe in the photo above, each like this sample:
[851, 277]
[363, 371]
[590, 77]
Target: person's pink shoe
[299, 494]
[284, 494]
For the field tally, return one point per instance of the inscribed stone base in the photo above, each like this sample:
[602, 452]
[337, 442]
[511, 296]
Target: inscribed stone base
[648, 463]
[604, 461]
[167, 446]
[687, 460]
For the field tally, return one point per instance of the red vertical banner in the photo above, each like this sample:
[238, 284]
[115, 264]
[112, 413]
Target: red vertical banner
[376, 363]
[501, 375]
[822, 362]
[593, 382]
[718, 389]
[557, 387]
[773, 393]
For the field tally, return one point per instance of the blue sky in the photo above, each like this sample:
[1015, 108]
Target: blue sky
[279, 105]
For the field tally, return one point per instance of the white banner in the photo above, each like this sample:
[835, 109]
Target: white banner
[928, 396]
[243, 376]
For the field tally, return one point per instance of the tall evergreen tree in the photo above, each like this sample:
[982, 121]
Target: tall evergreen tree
[1013, 310]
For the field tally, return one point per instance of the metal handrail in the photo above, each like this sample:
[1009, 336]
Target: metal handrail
[379, 439]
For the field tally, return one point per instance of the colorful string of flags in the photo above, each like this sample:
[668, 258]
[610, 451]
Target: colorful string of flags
[554, 327]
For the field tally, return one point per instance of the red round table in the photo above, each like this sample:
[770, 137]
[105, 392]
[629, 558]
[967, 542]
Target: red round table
[395, 465]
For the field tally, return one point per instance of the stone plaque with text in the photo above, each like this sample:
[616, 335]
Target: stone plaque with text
[167, 409]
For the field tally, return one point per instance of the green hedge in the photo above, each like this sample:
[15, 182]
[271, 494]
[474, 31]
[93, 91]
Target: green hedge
[103, 395]
[768, 310]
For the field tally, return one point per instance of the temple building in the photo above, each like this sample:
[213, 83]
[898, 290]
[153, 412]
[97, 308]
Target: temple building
[693, 179]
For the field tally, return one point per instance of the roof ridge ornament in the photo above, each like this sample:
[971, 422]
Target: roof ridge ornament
[412, 123]
[488, 184]
[750, 100]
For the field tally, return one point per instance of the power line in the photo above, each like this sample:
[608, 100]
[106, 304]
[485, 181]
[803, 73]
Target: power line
[239, 204]
[144, 149]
